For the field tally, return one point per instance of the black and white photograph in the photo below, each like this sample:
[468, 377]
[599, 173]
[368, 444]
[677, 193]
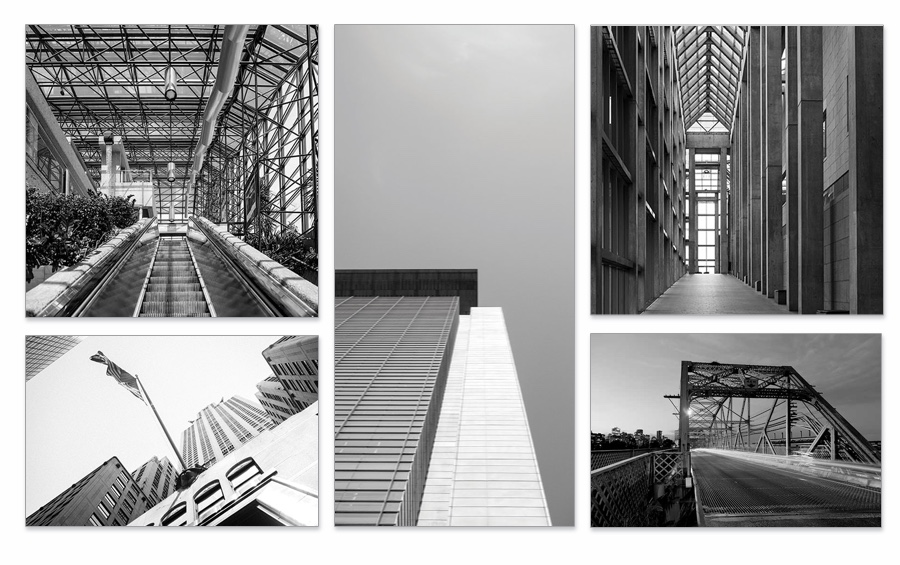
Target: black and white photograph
[737, 169]
[736, 430]
[171, 170]
[171, 430]
[454, 257]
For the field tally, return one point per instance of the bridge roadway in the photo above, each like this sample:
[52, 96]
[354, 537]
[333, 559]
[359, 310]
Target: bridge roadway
[736, 492]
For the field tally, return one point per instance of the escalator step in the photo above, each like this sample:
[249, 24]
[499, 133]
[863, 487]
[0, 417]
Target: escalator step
[174, 286]
[174, 297]
[167, 286]
[186, 308]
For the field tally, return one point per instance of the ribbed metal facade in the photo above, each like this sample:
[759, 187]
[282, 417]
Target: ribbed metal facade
[392, 356]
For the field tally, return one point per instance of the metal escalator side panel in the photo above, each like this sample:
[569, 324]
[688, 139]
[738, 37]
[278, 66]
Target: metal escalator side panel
[229, 294]
[119, 295]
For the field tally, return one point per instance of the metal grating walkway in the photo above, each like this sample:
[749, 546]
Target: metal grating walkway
[738, 492]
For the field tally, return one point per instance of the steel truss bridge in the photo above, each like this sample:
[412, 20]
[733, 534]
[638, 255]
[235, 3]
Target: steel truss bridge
[763, 409]
[758, 446]
[257, 167]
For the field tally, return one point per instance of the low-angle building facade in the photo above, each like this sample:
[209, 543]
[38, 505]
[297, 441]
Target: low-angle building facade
[430, 427]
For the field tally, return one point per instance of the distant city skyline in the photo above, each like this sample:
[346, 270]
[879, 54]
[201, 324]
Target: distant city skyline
[76, 416]
[630, 373]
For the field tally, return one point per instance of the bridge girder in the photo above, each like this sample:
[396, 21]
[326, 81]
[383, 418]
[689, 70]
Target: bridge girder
[708, 413]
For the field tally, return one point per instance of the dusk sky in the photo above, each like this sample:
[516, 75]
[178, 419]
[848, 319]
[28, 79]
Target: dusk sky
[630, 373]
[454, 148]
[77, 417]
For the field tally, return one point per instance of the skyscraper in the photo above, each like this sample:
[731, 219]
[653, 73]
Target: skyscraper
[156, 479]
[42, 350]
[107, 496]
[295, 384]
[430, 427]
[220, 428]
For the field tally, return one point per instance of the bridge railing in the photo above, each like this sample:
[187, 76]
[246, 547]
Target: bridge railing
[604, 457]
[623, 493]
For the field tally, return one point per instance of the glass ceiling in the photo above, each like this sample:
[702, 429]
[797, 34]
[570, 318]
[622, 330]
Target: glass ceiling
[111, 78]
[709, 61]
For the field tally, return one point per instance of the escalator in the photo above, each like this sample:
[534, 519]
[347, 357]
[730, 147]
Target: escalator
[167, 273]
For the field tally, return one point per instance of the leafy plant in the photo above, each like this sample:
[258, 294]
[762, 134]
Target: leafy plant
[62, 230]
[289, 248]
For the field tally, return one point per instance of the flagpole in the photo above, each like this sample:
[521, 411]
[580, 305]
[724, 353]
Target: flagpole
[163, 426]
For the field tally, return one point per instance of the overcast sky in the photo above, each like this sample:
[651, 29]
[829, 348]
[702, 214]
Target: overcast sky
[454, 148]
[77, 417]
[630, 373]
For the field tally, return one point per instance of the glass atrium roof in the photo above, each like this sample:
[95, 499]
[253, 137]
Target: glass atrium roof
[111, 78]
[709, 62]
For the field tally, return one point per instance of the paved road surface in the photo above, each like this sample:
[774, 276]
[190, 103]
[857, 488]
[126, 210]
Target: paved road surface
[735, 492]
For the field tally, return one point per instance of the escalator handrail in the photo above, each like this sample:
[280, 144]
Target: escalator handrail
[83, 305]
[256, 289]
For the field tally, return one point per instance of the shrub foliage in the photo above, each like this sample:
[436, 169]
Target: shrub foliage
[289, 248]
[61, 230]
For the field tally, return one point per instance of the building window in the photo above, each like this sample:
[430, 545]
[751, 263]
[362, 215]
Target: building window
[209, 500]
[244, 475]
[103, 511]
[177, 516]
[95, 521]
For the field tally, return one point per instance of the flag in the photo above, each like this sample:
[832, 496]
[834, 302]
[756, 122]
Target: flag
[122, 377]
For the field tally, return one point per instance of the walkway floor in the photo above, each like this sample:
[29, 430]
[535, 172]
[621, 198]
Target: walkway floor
[713, 294]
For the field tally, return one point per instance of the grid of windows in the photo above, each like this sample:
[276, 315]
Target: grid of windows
[244, 421]
[295, 383]
[94, 500]
[706, 187]
[42, 350]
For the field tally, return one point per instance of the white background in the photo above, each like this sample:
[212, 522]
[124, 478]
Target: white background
[326, 543]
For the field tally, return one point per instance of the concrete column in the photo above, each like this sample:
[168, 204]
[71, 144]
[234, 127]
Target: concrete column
[772, 178]
[791, 168]
[640, 182]
[722, 252]
[692, 261]
[746, 191]
[754, 158]
[635, 203]
[761, 124]
[598, 109]
[811, 174]
[866, 113]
